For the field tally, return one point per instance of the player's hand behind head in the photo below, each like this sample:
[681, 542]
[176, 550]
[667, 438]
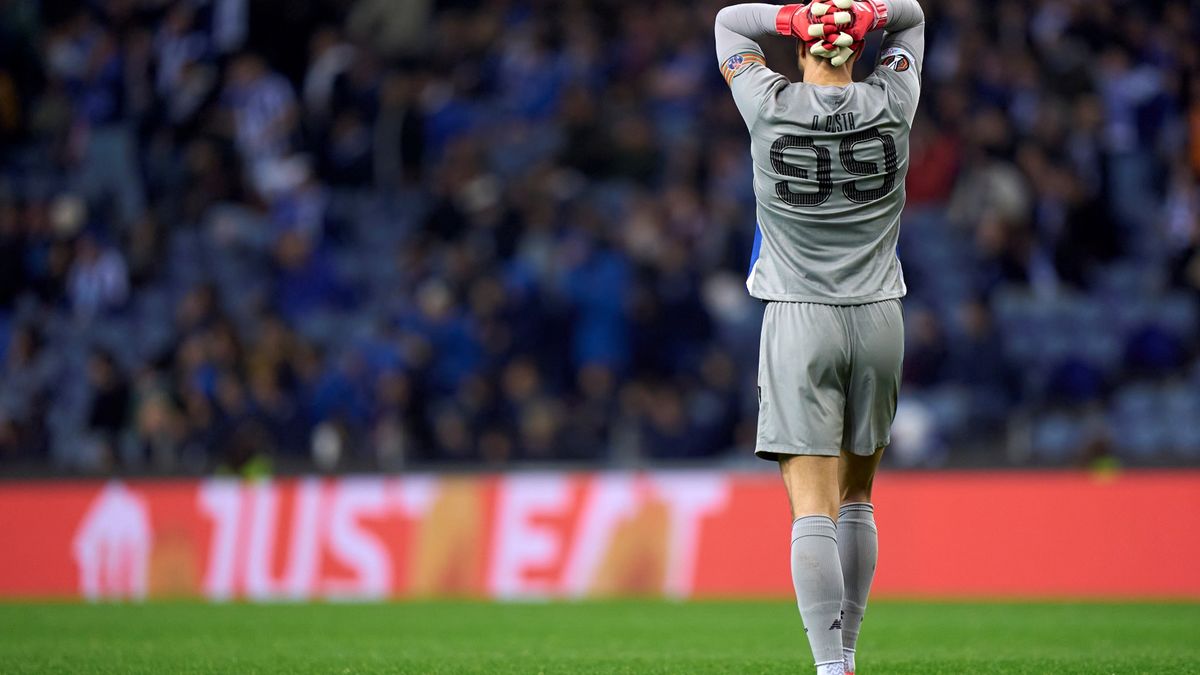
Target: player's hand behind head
[832, 30]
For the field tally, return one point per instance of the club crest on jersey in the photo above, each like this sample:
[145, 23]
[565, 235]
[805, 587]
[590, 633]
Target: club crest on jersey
[896, 59]
[736, 62]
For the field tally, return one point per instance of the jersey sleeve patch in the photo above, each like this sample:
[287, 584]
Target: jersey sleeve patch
[897, 59]
[737, 63]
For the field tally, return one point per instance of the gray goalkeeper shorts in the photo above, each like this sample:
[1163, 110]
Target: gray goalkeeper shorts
[828, 377]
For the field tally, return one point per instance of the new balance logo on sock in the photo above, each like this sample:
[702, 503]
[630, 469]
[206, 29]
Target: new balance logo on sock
[837, 624]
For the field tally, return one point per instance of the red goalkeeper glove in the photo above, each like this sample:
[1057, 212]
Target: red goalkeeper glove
[833, 31]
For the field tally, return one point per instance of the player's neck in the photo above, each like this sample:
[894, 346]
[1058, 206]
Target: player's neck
[827, 76]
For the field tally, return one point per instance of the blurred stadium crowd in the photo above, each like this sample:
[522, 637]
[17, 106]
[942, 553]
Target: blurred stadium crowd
[374, 233]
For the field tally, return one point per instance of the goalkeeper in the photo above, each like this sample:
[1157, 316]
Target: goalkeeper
[830, 156]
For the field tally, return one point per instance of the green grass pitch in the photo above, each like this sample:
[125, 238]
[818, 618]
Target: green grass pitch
[592, 637]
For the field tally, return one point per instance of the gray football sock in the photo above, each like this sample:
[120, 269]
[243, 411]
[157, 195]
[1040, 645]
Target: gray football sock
[858, 547]
[817, 576]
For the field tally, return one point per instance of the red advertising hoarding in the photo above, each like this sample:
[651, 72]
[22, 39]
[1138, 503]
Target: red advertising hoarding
[533, 535]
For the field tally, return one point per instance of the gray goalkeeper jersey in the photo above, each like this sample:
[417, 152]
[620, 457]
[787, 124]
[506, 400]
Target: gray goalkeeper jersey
[829, 168]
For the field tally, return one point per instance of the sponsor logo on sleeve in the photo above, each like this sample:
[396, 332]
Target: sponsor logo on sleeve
[897, 59]
[738, 62]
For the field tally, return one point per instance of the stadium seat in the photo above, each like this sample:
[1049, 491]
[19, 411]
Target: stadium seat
[1057, 437]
